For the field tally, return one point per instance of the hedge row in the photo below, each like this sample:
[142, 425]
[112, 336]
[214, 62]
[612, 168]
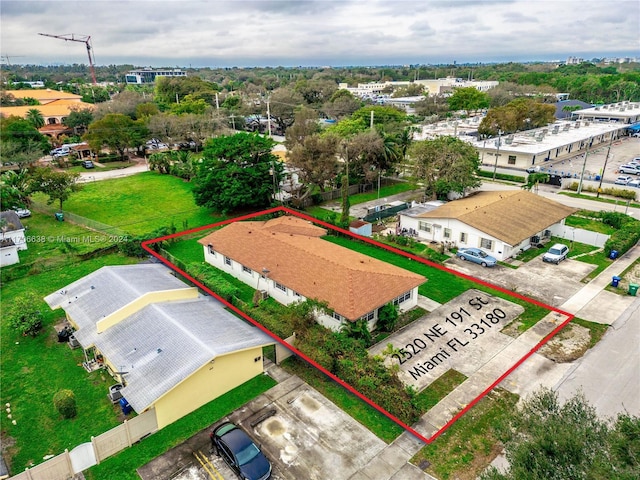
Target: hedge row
[612, 191]
[502, 176]
[624, 238]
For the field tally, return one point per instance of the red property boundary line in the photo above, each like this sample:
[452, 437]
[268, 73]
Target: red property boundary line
[146, 243]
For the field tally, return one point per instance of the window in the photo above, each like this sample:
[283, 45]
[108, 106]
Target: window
[511, 160]
[368, 317]
[296, 294]
[280, 286]
[227, 261]
[486, 244]
[211, 250]
[447, 233]
[337, 316]
[463, 237]
[402, 298]
[424, 226]
[246, 269]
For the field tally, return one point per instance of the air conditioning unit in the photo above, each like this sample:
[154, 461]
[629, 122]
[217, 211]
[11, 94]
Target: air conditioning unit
[264, 294]
[73, 342]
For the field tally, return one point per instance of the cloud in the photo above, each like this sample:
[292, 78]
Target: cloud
[317, 32]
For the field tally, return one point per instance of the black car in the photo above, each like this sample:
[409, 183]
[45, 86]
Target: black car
[241, 454]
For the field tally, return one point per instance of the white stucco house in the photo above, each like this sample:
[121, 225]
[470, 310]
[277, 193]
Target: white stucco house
[12, 238]
[501, 223]
[288, 260]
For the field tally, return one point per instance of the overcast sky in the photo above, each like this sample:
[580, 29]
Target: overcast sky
[201, 33]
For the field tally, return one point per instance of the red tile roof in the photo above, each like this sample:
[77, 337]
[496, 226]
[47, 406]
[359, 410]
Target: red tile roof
[296, 256]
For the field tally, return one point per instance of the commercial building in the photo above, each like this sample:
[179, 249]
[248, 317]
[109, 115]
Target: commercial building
[148, 75]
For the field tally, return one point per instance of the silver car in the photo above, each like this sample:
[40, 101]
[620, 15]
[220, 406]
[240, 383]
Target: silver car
[556, 253]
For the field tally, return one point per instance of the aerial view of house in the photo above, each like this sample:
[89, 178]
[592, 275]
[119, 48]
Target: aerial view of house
[288, 259]
[173, 349]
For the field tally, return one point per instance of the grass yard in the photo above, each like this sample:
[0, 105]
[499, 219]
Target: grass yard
[123, 465]
[385, 191]
[589, 224]
[34, 369]
[470, 444]
[140, 204]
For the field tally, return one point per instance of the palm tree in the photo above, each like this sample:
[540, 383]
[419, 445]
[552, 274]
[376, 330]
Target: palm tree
[35, 118]
[533, 179]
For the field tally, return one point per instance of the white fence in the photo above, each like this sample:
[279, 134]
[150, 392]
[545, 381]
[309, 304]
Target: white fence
[579, 235]
[67, 464]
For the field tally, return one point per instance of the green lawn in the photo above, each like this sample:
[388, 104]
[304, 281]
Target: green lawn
[589, 224]
[34, 369]
[140, 203]
[385, 191]
[123, 465]
[469, 445]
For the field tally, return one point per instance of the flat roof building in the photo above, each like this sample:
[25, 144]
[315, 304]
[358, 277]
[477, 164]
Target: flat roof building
[148, 75]
[622, 112]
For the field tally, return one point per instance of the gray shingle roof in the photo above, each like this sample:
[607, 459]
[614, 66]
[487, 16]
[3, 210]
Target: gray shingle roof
[164, 343]
[12, 220]
[108, 289]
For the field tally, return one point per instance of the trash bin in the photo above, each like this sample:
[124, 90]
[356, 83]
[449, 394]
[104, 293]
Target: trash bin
[60, 216]
[613, 255]
[124, 405]
[633, 289]
[615, 281]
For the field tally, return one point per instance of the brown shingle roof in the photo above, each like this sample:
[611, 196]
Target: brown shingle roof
[510, 216]
[53, 109]
[293, 251]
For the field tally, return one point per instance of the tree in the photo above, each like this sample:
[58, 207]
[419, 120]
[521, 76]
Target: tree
[446, 164]
[237, 171]
[547, 440]
[533, 179]
[344, 215]
[315, 162]
[56, 185]
[304, 125]
[519, 114]
[387, 317]
[24, 315]
[389, 118]
[341, 104]
[23, 135]
[468, 98]
[35, 118]
[78, 119]
[14, 189]
[283, 104]
[116, 132]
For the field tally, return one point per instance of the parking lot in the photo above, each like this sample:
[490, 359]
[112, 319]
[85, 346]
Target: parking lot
[546, 282]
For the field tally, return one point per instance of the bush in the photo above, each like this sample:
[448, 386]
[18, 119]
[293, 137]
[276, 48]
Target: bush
[502, 176]
[387, 317]
[65, 403]
[624, 238]
[24, 315]
[611, 191]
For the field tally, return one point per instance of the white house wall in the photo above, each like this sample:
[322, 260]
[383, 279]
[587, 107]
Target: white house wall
[9, 256]
[252, 278]
[288, 296]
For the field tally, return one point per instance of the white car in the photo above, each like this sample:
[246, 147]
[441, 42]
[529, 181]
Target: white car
[629, 168]
[22, 212]
[634, 184]
[622, 180]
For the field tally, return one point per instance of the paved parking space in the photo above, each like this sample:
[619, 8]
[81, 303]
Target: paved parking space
[546, 282]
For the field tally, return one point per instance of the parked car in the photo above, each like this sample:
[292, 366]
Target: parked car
[478, 256]
[622, 180]
[628, 168]
[60, 152]
[22, 212]
[556, 253]
[533, 169]
[634, 184]
[88, 164]
[239, 452]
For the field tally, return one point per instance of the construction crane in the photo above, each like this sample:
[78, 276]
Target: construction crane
[7, 58]
[86, 39]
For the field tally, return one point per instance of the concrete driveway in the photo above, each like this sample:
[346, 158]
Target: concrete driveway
[546, 282]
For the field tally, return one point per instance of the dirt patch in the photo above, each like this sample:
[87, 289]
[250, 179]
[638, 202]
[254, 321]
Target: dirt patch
[568, 345]
[513, 329]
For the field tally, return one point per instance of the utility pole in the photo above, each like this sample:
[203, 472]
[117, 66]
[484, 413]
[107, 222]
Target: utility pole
[217, 104]
[604, 166]
[269, 118]
[495, 165]
[584, 165]
[371, 121]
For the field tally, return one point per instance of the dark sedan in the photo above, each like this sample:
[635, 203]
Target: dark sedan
[240, 453]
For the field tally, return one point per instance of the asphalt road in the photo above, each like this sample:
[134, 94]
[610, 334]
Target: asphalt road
[608, 374]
